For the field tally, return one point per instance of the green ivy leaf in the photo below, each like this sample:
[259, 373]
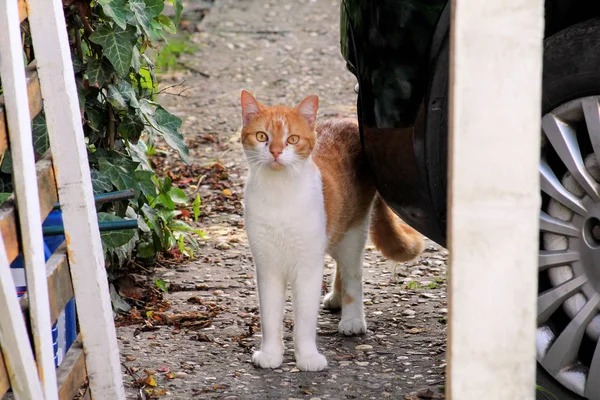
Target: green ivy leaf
[144, 179]
[165, 200]
[169, 125]
[95, 114]
[81, 93]
[100, 182]
[136, 63]
[196, 207]
[155, 7]
[117, 45]
[161, 284]
[145, 250]
[120, 171]
[167, 24]
[138, 152]
[117, 10]
[113, 239]
[4, 196]
[178, 196]
[6, 166]
[122, 96]
[98, 72]
[131, 127]
[178, 9]
[119, 305]
[144, 11]
[41, 142]
[78, 64]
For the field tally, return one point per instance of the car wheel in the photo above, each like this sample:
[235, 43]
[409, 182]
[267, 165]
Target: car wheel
[568, 322]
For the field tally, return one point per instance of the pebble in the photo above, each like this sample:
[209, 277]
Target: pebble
[223, 246]
[363, 347]
[361, 363]
[409, 313]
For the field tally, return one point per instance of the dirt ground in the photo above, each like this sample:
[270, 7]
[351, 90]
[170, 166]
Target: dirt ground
[281, 51]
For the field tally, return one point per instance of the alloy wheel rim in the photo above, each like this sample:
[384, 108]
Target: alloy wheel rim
[568, 319]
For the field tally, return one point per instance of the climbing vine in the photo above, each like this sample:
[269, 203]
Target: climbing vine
[123, 121]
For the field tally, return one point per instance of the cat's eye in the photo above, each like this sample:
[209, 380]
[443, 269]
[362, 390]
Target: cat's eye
[261, 136]
[293, 139]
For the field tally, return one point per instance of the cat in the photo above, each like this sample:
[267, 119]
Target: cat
[308, 193]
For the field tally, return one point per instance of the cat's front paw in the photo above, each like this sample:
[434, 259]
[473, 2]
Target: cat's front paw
[352, 326]
[267, 360]
[332, 301]
[311, 362]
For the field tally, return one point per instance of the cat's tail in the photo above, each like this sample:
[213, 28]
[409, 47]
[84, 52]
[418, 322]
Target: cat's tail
[396, 240]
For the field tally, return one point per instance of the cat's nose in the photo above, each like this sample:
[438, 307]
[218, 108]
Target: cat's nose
[276, 154]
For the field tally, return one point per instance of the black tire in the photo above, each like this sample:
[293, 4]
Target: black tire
[571, 70]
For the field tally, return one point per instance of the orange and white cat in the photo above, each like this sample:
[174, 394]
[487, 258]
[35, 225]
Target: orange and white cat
[309, 193]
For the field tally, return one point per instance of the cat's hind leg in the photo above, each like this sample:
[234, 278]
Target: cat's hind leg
[333, 299]
[271, 299]
[349, 254]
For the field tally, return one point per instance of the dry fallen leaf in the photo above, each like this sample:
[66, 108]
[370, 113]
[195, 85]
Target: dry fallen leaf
[415, 330]
[130, 358]
[150, 381]
[227, 192]
[171, 375]
[149, 372]
[155, 393]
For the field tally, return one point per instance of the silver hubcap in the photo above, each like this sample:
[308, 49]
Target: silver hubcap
[568, 303]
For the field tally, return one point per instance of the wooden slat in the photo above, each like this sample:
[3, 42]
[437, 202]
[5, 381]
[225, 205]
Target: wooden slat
[494, 198]
[24, 174]
[63, 118]
[60, 287]
[35, 103]
[71, 373]
[8, 216]
[23, 10]
[4, 381]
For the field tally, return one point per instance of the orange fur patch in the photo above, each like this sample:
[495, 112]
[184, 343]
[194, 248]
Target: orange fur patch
[276, 120]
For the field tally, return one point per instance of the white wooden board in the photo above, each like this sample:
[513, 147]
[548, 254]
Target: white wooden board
[12, 72]
[51, 45]
[494, 197]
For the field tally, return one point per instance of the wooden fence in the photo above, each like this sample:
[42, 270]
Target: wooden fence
[75, 269]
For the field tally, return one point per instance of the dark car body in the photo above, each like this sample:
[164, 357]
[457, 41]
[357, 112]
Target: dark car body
[399, 52]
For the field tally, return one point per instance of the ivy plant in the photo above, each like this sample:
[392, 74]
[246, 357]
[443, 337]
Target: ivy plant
[122, 120]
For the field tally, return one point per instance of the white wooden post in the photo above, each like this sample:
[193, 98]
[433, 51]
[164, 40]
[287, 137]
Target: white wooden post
[51, 44]
[14, 340]
[494, 197]
[12, 72]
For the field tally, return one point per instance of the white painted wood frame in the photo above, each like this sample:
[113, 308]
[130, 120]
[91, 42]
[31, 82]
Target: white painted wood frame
[50, 41]
[16, 349]
[12, 72]
[494, 197]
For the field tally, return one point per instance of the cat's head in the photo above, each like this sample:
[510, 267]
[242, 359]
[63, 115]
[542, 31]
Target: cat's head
[278, 137]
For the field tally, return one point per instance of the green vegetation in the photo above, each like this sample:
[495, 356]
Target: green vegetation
[112, 43]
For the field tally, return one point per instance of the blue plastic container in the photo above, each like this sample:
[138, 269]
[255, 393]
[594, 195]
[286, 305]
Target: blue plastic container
[64, 330]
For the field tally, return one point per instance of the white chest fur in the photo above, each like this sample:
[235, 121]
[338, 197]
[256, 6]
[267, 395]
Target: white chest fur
[285, 214]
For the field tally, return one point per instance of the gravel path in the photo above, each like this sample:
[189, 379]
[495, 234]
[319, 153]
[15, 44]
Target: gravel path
[281, 51]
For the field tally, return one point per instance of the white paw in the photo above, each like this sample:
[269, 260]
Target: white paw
[311, 362]
[332, 301]
[352, 326]
[267, 360]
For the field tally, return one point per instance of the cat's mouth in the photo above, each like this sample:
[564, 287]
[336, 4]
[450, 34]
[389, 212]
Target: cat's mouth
[276, 165]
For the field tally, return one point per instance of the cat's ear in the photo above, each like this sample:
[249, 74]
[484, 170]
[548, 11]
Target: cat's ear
[308, 109]
[250, 106]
